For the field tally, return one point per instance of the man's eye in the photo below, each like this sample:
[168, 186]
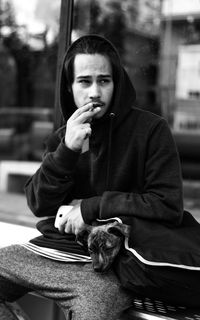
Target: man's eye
[104, 81]
[84, 82]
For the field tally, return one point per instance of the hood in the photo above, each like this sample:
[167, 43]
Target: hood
[124, 92]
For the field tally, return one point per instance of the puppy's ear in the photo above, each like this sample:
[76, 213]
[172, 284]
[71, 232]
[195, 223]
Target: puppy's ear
[120, 229]
[82, 237]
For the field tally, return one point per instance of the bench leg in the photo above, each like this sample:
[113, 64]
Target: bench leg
[12, 311]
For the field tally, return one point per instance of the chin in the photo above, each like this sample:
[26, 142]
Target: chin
[100, 114]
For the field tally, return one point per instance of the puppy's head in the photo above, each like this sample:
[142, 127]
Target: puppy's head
[104, 243]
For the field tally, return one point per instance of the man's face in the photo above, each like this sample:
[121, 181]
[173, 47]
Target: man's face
[93, 81]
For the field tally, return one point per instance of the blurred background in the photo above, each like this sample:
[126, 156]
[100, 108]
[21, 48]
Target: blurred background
[159, 43]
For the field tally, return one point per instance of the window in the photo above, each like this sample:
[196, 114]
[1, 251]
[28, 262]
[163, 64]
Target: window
[28, 59]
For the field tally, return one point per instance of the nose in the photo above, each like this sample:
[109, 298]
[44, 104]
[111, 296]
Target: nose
[98, 268]
[94, 92]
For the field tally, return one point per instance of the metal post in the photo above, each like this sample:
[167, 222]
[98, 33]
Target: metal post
[66, 21]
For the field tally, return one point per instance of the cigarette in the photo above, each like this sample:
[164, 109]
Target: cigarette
[95, 105]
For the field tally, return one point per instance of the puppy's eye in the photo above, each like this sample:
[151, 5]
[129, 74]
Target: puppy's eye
[109, 249]
[90, 250]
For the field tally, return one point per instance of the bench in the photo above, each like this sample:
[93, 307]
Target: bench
[15, 234]
[150, 309]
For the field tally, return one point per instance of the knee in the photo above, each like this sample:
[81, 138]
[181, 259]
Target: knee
[104, 301]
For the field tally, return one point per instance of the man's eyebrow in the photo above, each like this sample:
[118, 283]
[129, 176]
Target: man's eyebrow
[99, 76]
[105, 76]
[83, 77]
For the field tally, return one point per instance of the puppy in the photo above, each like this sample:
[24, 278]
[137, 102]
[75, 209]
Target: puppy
[104, 242]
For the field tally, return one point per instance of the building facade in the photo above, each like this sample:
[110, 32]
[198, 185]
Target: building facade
[180, 63]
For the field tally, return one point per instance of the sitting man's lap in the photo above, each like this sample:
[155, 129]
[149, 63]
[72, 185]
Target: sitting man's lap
[75, 287]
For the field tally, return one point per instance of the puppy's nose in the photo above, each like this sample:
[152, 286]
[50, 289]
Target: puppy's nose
[101, 268]
[98, 268]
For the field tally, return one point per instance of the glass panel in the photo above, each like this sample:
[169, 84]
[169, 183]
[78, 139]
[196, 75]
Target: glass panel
[180, 63]
[28, 54]
[180, 82]
[159, 43]
[28, 58]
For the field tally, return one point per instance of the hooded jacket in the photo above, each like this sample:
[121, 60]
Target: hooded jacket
[131, 171]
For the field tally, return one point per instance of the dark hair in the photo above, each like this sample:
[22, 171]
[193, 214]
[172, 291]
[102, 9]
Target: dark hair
[91, 44]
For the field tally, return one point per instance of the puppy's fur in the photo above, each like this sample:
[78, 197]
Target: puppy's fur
[103, 242]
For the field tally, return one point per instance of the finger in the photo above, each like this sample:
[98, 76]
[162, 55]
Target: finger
[68, 228]
[81, 110]
[88, 115]
[63, 222]
[88, 132]
[85, 125]
[81, 115]
[61, 228]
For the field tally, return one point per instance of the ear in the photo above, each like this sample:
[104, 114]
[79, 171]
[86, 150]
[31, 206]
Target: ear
[120, 229]
[82, 237]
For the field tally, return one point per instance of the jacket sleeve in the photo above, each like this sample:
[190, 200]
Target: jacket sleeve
[51, 185]
[161, 198]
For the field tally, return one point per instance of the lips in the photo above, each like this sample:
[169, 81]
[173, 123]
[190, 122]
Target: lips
[97, 104]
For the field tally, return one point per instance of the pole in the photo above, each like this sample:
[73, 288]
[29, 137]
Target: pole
[66, 20]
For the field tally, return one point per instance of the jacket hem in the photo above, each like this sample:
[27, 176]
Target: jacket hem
[158, 264]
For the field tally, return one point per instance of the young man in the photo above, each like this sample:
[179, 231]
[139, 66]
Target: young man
[116, 161]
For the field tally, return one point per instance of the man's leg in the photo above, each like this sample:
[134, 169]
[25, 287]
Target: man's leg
[75, 287]
[96, 296]
[9, 292]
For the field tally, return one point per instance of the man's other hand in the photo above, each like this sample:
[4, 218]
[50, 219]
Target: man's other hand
[72, 222]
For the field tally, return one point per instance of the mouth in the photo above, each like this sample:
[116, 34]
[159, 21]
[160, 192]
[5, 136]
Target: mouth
[101, 268]
[97, 104]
